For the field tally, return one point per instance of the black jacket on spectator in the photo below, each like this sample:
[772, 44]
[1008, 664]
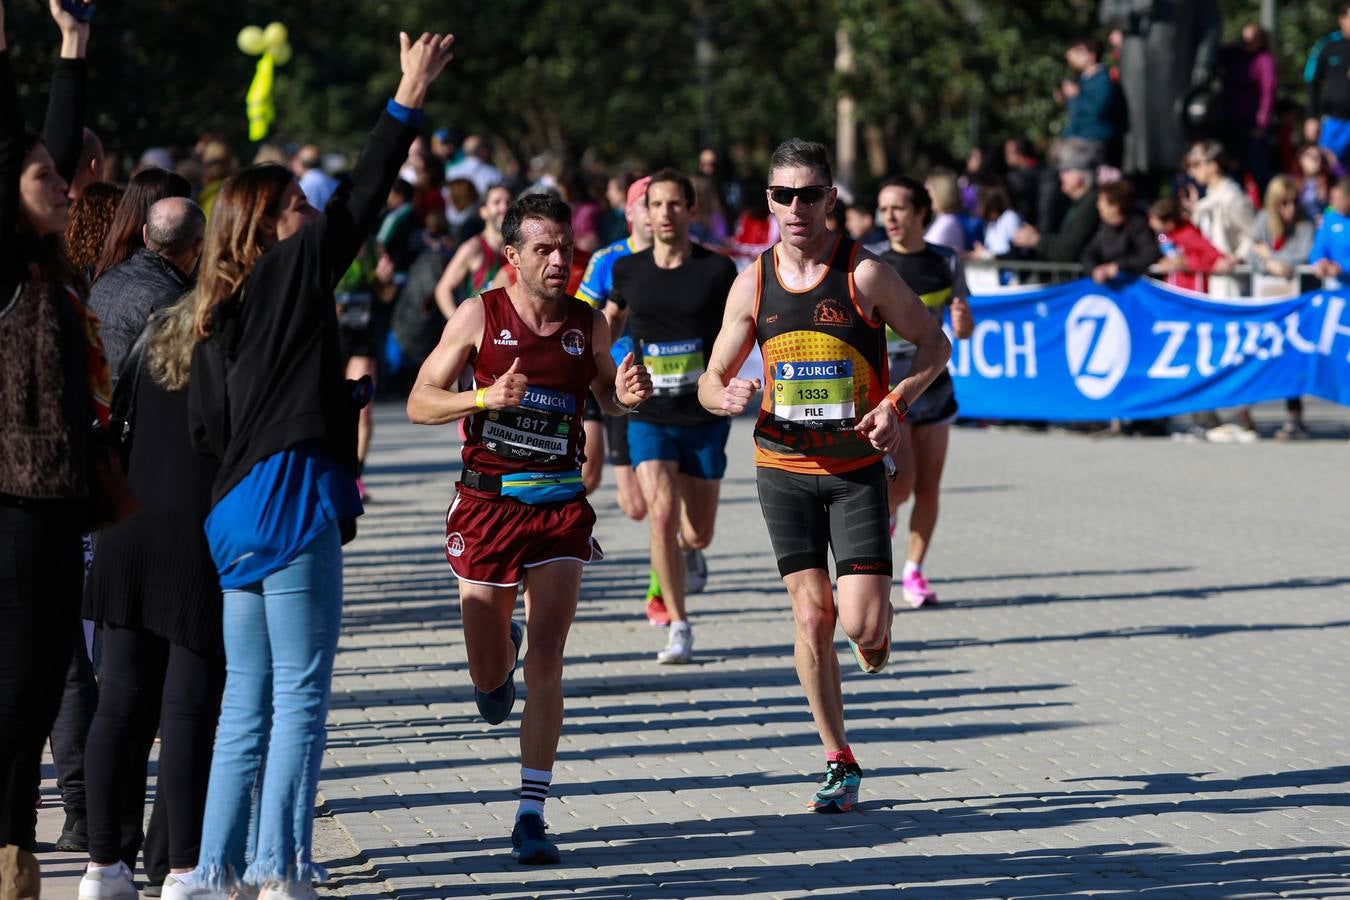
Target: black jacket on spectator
[1132, 246]
[125, 297]
[1077, 228]
[283, 326]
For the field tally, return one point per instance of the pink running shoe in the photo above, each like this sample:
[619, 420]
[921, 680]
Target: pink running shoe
[917, 592]
[657, 614]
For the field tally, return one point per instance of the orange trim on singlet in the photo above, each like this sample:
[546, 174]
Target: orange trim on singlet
[853, 289]
[759, 286]
[819, 281]
[811, 465]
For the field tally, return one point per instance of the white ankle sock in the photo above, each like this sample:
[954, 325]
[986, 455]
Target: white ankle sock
[911, 567]
[534, 785]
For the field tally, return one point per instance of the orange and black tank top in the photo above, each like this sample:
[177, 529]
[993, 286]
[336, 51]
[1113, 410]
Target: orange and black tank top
[824, 369]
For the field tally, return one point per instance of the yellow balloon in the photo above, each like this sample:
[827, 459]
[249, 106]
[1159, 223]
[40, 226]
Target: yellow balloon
[281, 55]
[275, 35]
[250, 40]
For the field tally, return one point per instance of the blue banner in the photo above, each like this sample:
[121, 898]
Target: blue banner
[1140, 350]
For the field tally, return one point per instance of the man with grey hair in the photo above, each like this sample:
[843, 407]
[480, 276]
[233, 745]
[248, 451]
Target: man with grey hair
[155, 277]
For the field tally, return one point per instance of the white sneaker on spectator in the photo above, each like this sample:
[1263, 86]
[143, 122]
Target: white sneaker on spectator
[1231, 433]
[288, 892]
[108, 882]
[186, 887]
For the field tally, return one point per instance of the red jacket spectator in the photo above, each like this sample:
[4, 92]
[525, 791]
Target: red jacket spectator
[1198, 254]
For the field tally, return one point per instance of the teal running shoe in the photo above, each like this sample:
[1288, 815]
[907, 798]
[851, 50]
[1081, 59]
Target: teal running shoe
[838, 792]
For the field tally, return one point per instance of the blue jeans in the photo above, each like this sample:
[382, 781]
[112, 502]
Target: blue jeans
[280, 639]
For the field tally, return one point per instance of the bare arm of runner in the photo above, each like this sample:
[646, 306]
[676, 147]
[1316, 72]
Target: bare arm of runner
[892, 301]
[963, 321]
[617, 390]
[454, 276]
[434, 401]
[719, 390]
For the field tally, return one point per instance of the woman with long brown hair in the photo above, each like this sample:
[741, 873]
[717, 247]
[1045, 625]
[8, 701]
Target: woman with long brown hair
[91, 218]
[268, 400]
[54, 386]
[147, 187]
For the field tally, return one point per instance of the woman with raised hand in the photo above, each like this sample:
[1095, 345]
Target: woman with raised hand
[268, 399]
[55, 385]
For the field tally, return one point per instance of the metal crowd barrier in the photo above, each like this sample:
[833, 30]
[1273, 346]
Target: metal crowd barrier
[997, 275]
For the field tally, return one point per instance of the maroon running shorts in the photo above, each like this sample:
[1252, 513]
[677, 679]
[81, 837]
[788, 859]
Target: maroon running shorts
[490, 540]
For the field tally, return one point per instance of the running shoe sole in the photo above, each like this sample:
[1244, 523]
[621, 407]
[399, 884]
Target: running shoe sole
[536, 853]
[868, 667]
[836, 805]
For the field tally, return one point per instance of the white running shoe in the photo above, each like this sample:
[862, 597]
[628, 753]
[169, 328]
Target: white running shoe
[108, 882]
[680, 646]
[695, 572]
[186, 887]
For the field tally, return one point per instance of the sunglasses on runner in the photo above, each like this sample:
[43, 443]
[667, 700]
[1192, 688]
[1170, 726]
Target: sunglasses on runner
[812, 193]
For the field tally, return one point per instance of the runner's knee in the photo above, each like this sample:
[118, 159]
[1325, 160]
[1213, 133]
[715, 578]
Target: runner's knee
[543, 665]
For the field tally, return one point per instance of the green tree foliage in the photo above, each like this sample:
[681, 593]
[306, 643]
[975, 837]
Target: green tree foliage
[606, 79]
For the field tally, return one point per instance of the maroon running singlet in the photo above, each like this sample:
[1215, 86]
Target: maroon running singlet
[520, 503]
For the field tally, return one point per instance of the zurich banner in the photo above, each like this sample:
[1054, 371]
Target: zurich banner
[1140, 350]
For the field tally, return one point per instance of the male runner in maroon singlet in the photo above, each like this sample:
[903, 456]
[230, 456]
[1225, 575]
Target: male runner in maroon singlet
[520, 512]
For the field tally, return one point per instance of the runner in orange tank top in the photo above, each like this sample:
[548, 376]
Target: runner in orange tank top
[818, 306]
[520, 512]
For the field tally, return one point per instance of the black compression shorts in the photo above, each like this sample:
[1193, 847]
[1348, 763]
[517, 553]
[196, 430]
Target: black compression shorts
[806, 514]
[591, 411]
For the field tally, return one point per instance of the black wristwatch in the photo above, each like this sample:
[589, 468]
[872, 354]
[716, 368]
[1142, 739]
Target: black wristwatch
[901, 407]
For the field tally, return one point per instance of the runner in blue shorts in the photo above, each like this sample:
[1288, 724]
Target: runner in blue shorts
[675, 293]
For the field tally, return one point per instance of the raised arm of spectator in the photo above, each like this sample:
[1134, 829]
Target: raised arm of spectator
[11, 165]
[63, 129]
[351, 213]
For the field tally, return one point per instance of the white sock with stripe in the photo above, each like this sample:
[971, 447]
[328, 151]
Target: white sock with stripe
[534, 785]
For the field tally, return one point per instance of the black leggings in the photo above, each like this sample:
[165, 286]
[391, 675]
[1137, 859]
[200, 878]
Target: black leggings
[40, 577]
[148, 684]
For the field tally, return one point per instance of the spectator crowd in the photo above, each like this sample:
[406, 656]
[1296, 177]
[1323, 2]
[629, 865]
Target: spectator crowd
[123, 284]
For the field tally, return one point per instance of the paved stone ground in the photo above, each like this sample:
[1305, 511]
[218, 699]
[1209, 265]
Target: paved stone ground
[1136, 684]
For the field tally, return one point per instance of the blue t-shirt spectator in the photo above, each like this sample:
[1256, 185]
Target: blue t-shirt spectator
[1333, 240]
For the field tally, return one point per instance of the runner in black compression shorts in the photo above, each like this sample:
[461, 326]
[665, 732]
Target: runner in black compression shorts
[816, 303]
